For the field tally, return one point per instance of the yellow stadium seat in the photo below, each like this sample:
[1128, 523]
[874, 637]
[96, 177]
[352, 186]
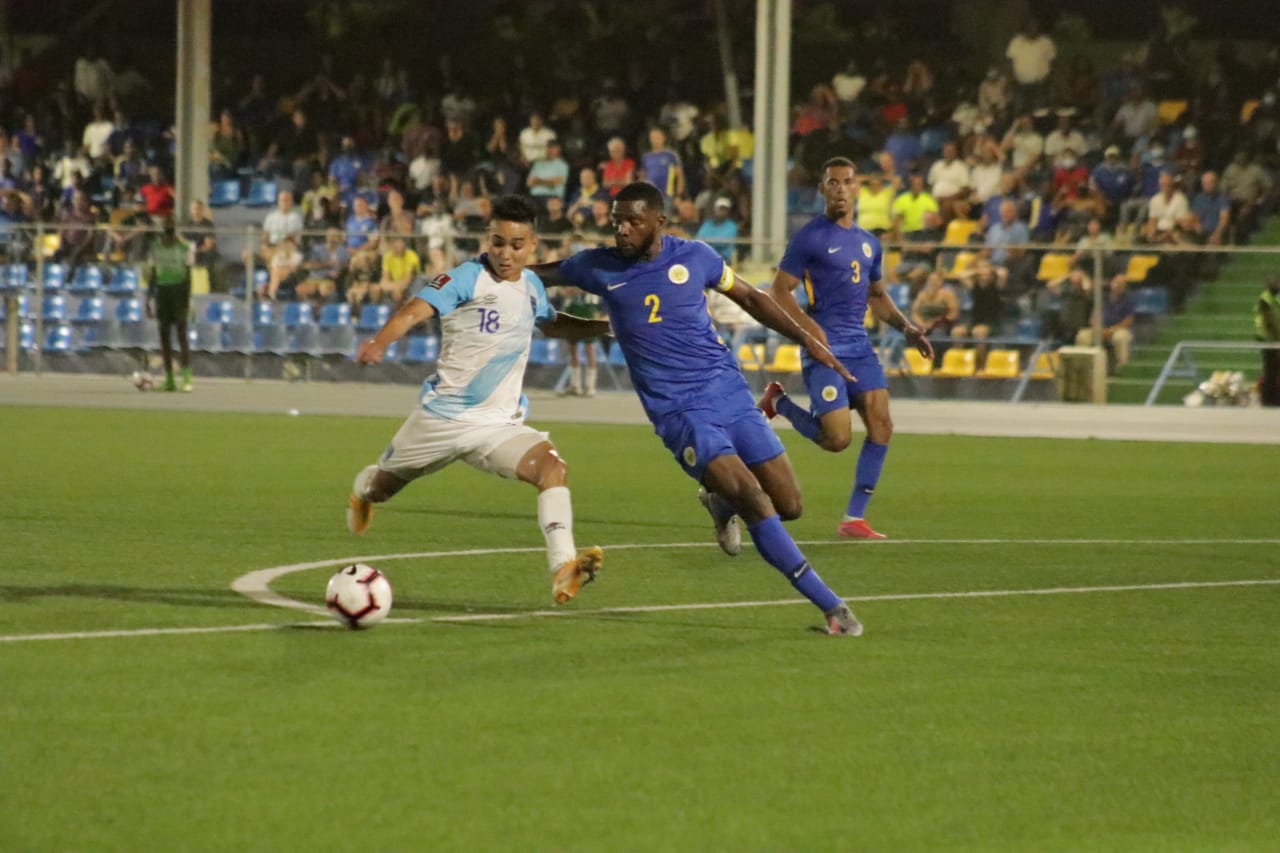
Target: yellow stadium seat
[1139, 266]
[786, 359]
[1000, 364]
[891, 262]
[751, 357]
[1053, 265]
[1046, 366]
[958, 362]
[919, 365]
[958, 231]
[1247, 109]
[1169, 111]
[963, 261]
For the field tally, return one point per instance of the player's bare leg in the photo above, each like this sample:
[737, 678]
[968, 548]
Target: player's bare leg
[873, 407]
[372, 485]
[542, 467]
[729, 477]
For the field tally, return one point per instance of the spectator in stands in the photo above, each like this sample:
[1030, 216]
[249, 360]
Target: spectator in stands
[1188, 157]
[1166, 213]
[130, 238]
[396, 220]
[986, 174]
[1137, 118]
[949, 182]
[1212, 210]
[724, 148]
[399, 266]
[435, 224]
[15, 244]
[1150, 169]
[96, 134]
[553, 228]
[284, 221]
[993, 93]
[77, 243]
[424, 167]
[1094, 240]
[598, 227]
[1074, 292]
[200, 234]
[987, 284]
[72, 168]
[915, 212]
[662, 166]
[548, 175]
[294, 151]
[1062, 137]
[1031, 54]
[1118, 313]
[533, 140]
[848, 84]
[1001, 241]
[935, 308]
[459, 151]
[875, 204]
[499, 146]
[1023, 144]
[325, 268]
[158, 193]
[41, 195]
[610, 110]
[619, 170]
[1070, 176]
[1247, 184]
[1009, 191]
[1113, 178]
[346, 169]
[254, 112]
[226, 147]
[1266, 319]
[362, 236]
[589, 190]
[720, 230]
[285, 270]
[903, 145]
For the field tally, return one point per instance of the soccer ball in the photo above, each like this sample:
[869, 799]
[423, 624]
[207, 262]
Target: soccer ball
[142, 380]
[358, 596]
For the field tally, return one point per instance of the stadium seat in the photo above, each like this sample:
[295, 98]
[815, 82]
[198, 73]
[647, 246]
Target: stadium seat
[901, 296]
[55, 277]
[336, 336]
[917, 364]
[1000, 364]
[959, 231]
[1139, 266]
[298, 314]
[372, 317]
[224, 193]
[958, 362]
[58, 339]
[86, 281]
[15, 278]
[786, 359]
[207, 336]
[1053, 265]
[55, 308]
[335, 314]
[1028, 329]
[616, 357]
[124, 282]
[262, 194]
[1151, 300]
[1247, 109]
[892, 259]
[24, 307]
[271, 337]
[1046, 366]
[751, 357]
[264, 314]
[1171, 110]
[90, 311]
[962, 262]
[422, 349]
[544, 352]
[219, 311]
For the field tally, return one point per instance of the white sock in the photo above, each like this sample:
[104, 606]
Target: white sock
[555, 517]
[591, 380]
[576, 382]
[362, 481]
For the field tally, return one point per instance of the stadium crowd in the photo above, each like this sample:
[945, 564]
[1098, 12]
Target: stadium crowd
[378, 181]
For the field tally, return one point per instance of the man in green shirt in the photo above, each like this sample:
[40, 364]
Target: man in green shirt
[1266, 320]
[169, 298]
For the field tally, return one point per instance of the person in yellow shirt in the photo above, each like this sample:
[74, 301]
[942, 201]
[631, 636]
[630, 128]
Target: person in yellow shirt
[875, 205]
[399, 265]
[915, 210]
[726, 147]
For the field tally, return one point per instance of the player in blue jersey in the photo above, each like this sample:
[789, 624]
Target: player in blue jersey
[838, 265]
[654, 287]
[472, 409]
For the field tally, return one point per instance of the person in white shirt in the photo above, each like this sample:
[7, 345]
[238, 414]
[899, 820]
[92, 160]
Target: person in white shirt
[1167, 212]
[534, 139]
[949, 181]
[96, 134]
[1024, 142]
[472, 409]
[1062, 137]
[423, 169]
[435, 224]
[984, 177]
[1137, 117]
[1031, 56]
[848, 83]
[284, 221]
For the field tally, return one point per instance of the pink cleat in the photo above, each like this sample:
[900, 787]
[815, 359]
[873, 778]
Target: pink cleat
[858, 529]
[772, 392]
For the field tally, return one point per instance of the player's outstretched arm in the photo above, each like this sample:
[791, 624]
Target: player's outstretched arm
[783, 292]
[762, 306]
[572, 328]
[882, 306]
[550, 274]
[410, 314]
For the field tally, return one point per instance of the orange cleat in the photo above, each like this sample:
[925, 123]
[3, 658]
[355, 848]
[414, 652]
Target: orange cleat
[858, 529]
[772, 392]
[576, 573]
[359, 514]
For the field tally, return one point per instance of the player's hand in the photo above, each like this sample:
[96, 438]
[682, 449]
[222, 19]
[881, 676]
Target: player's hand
[915, 337]
[370, 352]
[822, 354]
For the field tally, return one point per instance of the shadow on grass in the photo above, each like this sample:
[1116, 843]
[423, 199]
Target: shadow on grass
[579, 519]
[10, 593]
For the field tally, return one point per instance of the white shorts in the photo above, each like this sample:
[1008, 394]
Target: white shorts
[426, 443]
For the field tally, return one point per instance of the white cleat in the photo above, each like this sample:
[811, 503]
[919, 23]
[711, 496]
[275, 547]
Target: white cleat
[842, 622]
[728, 532]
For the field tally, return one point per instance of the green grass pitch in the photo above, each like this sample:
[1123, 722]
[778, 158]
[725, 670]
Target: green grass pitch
[1144, 719]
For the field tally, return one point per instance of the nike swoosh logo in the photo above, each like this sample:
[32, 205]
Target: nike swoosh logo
[833, 251]
[616, 286]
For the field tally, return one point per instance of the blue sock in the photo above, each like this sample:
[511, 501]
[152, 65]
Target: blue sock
[802, 419]
[870, 461]
[778, 548]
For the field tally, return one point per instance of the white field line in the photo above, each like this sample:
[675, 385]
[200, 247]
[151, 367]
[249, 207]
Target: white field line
[255, 586]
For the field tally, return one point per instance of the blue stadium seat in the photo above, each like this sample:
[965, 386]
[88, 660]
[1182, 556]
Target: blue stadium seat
[219, 311]
[27, 335]
[58, 339]
[24, 307]
[55, 277]
[298, 314]
[616, 358]
[421, 350]
[124, 282]
[15, 277]
[90, 311]
[1151, 300]
[337, 335]
[130, 310]
[547, 351]
[1028, 329]
[262, 194]
[372, 317]
[224, 193]
[55, 308]
[86, 281]
[264, 314]
[335, 314]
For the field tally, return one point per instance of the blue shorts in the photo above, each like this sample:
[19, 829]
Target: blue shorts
[726, 424]
[828, 391]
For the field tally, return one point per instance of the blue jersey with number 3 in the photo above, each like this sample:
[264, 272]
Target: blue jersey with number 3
[658, 310]
[835, 266]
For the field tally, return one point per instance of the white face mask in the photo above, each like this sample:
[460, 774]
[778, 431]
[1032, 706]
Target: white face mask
[1068, 163]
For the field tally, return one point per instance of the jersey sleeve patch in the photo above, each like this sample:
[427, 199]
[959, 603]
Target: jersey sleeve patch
[448, 290]
[726, 279]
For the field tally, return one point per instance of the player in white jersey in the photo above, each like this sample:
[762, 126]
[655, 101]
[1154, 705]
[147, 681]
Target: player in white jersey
[472, 409]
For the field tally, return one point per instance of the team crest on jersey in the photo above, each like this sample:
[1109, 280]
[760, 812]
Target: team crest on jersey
[866, 249]
[678, 274]
[690, 456]
[829, 393]
[439, 281]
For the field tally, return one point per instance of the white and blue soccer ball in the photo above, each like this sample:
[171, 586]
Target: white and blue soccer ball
[358, 596]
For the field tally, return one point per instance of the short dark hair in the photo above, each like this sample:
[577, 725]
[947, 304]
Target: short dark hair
[515, 208]
[642, 191]
[839, 161]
